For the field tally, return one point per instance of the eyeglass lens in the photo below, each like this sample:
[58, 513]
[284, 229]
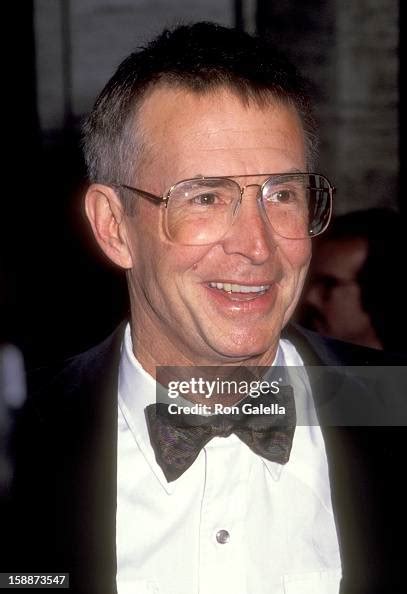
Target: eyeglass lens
[200, 211]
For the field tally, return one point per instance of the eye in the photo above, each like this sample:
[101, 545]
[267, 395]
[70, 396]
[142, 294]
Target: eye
[282, 196]
[208, 199]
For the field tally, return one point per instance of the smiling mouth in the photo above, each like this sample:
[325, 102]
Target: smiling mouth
[245, 292]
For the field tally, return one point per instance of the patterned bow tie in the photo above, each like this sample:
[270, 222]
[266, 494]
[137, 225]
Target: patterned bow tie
[178, 439]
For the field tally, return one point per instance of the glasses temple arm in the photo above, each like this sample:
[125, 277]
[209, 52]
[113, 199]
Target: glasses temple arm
[143, 193]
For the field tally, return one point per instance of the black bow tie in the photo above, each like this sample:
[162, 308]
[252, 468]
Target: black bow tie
[178, 439]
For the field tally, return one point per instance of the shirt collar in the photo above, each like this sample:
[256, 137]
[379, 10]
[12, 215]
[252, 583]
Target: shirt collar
[137, 389]
[308, 454]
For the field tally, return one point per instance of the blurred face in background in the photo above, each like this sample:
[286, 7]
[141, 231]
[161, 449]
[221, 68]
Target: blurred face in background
[332, 300]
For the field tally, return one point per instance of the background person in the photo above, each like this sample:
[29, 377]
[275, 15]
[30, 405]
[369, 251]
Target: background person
[348, 293]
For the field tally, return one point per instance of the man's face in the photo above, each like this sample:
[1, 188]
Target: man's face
[332, 301]
[178, 316]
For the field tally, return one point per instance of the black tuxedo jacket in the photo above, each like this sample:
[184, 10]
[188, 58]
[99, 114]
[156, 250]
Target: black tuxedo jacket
[64, 497]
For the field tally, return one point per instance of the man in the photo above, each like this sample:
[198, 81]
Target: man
[332, 302]
[198, 151]
[344, 296]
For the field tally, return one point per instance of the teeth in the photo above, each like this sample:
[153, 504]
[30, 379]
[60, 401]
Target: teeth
[231, 288]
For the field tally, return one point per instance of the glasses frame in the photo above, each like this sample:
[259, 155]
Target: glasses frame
[164, 199]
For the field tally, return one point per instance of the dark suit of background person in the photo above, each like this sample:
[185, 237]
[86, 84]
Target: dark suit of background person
[248, 120]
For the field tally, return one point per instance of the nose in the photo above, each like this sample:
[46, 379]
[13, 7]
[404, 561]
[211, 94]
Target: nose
[313, 295]
[250, 234]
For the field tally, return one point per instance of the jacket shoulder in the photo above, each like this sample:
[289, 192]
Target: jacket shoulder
[81, 374]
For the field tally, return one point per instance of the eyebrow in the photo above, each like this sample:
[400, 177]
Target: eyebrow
[290, 170]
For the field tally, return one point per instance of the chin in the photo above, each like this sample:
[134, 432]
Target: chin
[242, 350]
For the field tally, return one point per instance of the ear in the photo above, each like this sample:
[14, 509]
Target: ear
[104, 210]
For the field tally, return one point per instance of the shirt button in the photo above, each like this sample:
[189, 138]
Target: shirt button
[222, 536]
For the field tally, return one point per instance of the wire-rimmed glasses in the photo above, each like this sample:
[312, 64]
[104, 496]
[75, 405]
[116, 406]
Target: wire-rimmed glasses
[201, 210]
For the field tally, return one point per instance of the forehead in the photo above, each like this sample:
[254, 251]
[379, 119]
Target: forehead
[217, 133]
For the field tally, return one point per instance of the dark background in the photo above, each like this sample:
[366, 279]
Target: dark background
[58, 294]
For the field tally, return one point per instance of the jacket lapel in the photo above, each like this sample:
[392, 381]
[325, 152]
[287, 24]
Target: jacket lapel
[66, 469]
[96, 472]
[357, 458]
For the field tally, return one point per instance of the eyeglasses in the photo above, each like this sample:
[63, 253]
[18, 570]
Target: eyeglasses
[200, 211]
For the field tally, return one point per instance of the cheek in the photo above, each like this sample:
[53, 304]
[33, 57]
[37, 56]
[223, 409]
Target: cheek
[349, 300]
[303, 252]
[296, 265]
[169, 266]
[297, 256]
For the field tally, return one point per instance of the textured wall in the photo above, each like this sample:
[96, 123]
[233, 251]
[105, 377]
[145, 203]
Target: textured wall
[366, 106]
[81, 42]
[349, 49]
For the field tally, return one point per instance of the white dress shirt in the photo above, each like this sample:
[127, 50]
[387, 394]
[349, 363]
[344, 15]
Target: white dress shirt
[233, 523]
